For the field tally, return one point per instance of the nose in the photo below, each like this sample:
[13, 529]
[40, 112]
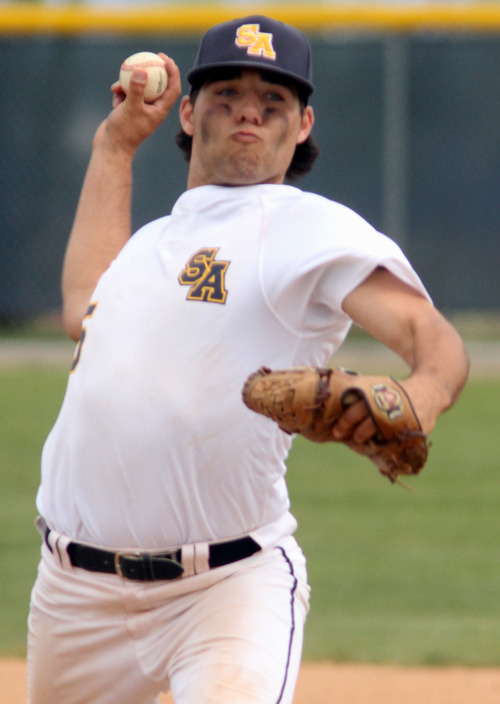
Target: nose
[248, 109]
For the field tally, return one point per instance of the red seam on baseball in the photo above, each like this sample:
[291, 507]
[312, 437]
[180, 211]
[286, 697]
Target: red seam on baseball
[143, 64]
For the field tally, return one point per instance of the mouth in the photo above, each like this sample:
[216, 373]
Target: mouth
[245, 137]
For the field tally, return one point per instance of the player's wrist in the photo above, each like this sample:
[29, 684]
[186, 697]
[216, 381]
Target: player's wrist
[429, 396]
[108, 144]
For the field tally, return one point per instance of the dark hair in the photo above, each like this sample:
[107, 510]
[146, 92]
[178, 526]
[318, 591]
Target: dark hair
[305, 154]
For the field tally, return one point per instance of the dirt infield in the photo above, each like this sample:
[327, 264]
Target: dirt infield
[345, 684]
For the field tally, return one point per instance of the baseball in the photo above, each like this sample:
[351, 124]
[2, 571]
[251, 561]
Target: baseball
[157, 76]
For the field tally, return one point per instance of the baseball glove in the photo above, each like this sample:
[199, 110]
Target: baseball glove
[309, 400]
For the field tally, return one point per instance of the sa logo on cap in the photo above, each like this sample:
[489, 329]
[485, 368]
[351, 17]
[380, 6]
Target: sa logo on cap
[257, 43]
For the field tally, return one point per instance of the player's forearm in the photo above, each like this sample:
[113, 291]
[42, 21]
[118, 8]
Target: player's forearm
[102, 226]
[440, 366]
[407, 323]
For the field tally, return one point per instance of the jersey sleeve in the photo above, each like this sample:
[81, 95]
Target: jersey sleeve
[344, 272]
[328, 251]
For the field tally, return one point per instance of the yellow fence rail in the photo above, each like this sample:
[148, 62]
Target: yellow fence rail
[193, 18]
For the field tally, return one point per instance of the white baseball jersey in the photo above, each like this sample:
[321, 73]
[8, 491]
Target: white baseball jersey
[153, 446]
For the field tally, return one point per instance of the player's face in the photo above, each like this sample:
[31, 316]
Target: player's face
[245, 130]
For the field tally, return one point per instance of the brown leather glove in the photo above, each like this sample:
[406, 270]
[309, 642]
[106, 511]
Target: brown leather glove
[309, 401]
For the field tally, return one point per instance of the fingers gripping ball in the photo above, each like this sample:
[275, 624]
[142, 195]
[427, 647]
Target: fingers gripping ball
[310, 400]
[157, 75]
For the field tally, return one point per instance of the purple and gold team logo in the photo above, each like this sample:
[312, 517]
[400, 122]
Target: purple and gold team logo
[205, 276]
[388, 400]
[257, 43]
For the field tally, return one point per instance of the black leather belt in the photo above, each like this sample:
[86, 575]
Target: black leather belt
[146, 567]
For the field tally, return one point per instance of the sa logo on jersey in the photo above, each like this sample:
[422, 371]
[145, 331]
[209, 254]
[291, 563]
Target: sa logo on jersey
[205, 276]
[257, 43]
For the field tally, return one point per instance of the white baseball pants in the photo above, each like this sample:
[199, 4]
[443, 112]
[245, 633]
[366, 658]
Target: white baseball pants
[232, 635]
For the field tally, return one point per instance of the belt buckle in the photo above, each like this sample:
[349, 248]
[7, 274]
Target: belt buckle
[125, 553]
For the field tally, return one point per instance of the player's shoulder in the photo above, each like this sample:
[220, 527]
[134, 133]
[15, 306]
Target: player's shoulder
[152, 229]
[141, 246]
[147, 234]
[317, 211]
[296, 197]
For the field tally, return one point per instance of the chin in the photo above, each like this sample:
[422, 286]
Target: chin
[245, 170]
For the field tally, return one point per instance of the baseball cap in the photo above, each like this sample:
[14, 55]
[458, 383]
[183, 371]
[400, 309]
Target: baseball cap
[257, 42]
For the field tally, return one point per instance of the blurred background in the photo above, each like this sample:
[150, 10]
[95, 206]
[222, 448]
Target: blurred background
[407, 108]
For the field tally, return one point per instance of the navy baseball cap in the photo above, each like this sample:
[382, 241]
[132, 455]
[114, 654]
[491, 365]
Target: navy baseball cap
[255, 42]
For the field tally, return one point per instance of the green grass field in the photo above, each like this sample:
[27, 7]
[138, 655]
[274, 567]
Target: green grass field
[397, 576]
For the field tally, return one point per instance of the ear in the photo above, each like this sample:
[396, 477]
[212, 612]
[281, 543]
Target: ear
[307, 122]
[186, 115]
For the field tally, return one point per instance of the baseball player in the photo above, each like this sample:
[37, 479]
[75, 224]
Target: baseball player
[168, 557]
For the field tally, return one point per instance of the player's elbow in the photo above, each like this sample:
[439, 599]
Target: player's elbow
[73, 313]
[72, 327]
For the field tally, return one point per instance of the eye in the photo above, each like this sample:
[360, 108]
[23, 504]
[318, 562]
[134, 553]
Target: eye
[226, 92]
[274, 96]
